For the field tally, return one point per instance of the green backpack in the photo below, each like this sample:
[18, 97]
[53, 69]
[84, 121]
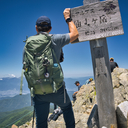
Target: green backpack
[42, 74]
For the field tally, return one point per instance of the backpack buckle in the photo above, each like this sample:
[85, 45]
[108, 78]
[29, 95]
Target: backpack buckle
[46, 75]
[46, 62]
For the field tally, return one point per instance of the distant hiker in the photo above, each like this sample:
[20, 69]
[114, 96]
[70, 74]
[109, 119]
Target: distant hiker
[77, 83]
[56, 113]
[113, 64]
[89, 81]
[43, 71]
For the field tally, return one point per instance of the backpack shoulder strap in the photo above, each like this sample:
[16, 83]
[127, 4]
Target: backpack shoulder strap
[21, 81]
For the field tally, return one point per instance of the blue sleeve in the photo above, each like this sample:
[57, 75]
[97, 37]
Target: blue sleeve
[61, 39]
[87, 82]
[79, 87]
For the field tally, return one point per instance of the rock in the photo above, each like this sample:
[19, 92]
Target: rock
[93, 120]
[115, 81]
[86, 97]
[117, 96]
[14, 126]
[119, 71]
[29, 124]
[124, 79]
[122, 111]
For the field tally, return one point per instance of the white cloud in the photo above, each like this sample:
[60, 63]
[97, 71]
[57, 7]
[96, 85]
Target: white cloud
[1, 79]
[12, 75]
[7, 75]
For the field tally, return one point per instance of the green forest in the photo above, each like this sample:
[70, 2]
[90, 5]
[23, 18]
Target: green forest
[17, 117]
[17, 110]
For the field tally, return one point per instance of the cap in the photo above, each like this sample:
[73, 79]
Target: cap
[91, 79]
[76, 82]
[43, 19]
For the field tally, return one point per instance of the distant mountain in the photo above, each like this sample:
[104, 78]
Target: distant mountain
[10, 87]
[9, 83]
[16, 102]
[69, 82]
[19, 101]
[2, 98]
[18, 117]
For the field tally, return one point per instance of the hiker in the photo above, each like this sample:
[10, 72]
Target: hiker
[113, 64]
[77, 83]
[56, 113]
[89, 81]
[47, 85]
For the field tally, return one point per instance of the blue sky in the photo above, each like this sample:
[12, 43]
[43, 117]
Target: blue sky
[18, 19]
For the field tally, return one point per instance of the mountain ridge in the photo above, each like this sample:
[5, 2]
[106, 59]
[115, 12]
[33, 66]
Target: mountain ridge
[10, 87]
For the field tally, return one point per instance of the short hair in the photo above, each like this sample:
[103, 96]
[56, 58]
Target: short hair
[111, 59]
[44, 27]
[76, 82]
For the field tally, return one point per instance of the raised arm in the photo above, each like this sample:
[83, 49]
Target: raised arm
[73, 33]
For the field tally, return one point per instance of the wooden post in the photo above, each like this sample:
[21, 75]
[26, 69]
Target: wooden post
[103, 81]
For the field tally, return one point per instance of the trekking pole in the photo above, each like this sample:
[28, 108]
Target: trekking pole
[33, 118]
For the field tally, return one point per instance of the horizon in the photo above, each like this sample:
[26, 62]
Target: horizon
[15, 85]
[8, 76]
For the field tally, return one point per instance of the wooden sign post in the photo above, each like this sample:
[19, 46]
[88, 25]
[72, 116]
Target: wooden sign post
[94, 22]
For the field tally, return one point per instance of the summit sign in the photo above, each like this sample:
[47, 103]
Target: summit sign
[97, 20]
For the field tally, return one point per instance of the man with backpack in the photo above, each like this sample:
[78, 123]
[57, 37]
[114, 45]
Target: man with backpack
[42, 69]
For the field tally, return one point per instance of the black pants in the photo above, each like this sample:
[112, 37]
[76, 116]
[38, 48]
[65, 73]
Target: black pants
[42, 103]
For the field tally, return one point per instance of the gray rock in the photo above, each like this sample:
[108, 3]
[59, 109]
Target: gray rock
[115, 82]
[124, 79]
[93, 120]
[119, 71]
[118, 97]
[122, 111]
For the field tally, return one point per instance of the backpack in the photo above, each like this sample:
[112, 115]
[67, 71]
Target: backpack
[42, 74]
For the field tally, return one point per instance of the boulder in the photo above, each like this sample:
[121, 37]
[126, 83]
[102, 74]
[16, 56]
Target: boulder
[122, 113]
[14, 126]
[93, 120]
[119, 71]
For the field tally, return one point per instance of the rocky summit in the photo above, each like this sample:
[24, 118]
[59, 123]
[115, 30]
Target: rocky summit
[86, 98]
